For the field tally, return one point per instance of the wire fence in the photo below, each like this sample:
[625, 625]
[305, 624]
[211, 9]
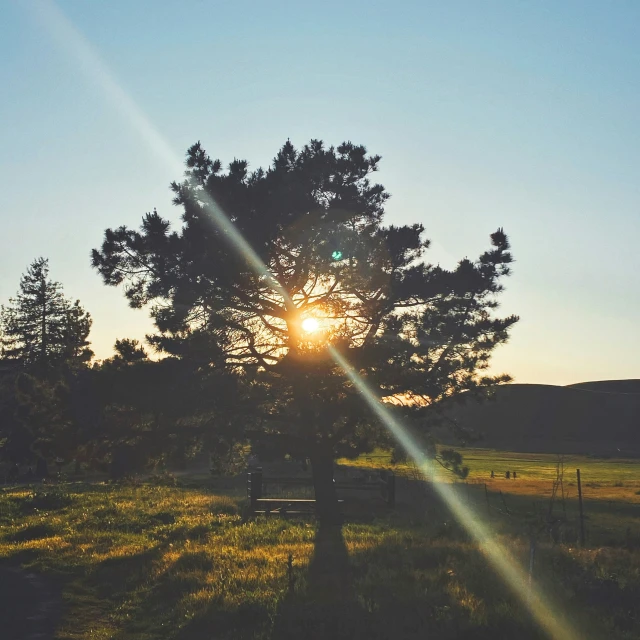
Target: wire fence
[548, 515]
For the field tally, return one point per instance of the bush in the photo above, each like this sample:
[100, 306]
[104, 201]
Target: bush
[399, 456]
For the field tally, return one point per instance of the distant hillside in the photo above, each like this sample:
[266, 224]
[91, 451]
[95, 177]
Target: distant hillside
[610, 386]
[589, 418]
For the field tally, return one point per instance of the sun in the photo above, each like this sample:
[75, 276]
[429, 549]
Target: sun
[310, 325]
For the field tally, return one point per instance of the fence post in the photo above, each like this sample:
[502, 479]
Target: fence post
[504, 502]
[254, 488]
[532, 557]
[581, 510]
[290, 573]
[486, 495]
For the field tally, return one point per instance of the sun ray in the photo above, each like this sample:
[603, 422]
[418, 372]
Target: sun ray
[65, 34]
[68, 37]
[556, 626]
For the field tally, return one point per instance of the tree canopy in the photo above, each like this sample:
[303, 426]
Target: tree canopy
[40, 327]
[160, 410]
[44, 350]
[418, 332]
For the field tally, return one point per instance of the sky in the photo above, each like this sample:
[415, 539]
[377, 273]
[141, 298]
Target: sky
[487, 114]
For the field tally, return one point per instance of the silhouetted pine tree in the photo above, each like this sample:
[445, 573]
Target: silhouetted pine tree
[417, 332]
[40, 327]
[43, 337]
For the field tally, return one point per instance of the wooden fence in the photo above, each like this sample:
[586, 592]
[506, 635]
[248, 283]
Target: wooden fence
[263, 491]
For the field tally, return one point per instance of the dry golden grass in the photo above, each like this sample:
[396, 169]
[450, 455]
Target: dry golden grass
[147, 562]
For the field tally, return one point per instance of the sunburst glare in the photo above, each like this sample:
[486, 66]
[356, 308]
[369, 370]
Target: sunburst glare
[310, 325]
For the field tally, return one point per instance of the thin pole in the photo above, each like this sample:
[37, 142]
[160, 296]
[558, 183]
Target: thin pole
[581, 510]
[564, 510]
[504, 502]
[532, 557]
[290, 573]
[486, 495]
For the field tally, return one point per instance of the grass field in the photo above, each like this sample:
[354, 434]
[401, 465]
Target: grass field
[609, 480]
[538, 467]
[610, 489]
[183, 562]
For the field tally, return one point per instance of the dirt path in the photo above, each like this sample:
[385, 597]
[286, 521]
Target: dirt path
[30, 606]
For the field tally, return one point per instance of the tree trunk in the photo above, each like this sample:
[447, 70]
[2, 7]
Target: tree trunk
[43, 349]
[327, 508]
[42, 469]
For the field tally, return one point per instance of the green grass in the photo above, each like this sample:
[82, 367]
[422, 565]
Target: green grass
[529, 466]
[610, 489]
[146, 562]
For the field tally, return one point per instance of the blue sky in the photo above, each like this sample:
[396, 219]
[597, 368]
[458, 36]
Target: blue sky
[515, 114]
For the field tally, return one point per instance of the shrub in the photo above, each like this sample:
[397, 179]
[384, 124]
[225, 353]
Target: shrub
[399, 456]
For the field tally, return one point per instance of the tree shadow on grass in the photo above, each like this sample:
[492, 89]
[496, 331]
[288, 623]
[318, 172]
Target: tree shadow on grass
[326, 607]
[370, 595]
[601, 588]
[321, 606]
[31, 605]
[402, 588]
[329, 578]
[116, 576]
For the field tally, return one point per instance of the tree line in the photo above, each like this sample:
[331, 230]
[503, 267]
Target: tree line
[56, 404]
[235, 363]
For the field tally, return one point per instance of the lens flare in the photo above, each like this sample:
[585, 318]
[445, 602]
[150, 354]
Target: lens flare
[502, 560]
[69, 38]
[65, 34]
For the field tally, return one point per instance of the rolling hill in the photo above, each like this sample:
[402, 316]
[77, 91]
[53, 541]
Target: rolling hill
[599, 418]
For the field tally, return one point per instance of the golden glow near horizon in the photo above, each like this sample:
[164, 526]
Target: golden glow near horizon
[502, 560]
[310, 325]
